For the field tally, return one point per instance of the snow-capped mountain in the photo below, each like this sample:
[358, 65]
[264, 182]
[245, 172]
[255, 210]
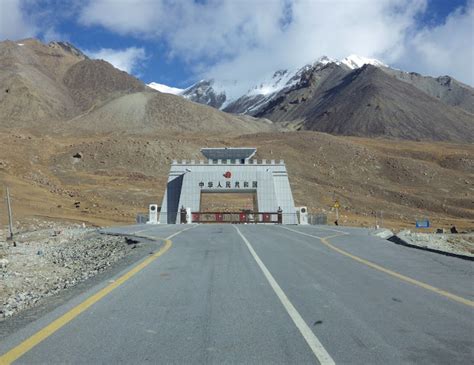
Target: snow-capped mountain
[204, 92]
[165, 89]
[225, 96]
[310, 94]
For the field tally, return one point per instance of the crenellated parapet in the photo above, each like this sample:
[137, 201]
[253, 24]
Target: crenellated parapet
[228, 162]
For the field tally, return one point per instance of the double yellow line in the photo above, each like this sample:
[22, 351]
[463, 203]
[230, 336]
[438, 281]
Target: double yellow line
[47, 331]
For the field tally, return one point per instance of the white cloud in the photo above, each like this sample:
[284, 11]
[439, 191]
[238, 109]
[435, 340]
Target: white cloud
[243, 39]
[51, 34]
[128, 59]
[446, 49]
[375, 29]
[213, 28]
[14, 23]
[124, 16]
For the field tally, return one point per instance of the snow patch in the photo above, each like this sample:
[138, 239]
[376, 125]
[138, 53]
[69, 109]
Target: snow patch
[165, 88]
[354, 61]
[20, 44]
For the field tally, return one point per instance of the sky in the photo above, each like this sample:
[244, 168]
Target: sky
[178, 42]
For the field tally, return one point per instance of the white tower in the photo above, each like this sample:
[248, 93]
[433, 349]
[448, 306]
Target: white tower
[153, 214]
[302, 214]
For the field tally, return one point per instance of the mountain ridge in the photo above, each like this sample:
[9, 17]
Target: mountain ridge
[424, 83]
[55, 88]
[291, 98]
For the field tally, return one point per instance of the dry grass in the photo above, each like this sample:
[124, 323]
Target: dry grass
[118, 176]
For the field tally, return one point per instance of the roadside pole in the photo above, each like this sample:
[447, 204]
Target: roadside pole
[10, 219]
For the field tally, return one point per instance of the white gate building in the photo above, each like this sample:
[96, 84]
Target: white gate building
[228, 170]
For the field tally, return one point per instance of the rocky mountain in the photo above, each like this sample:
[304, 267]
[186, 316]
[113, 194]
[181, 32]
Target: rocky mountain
[316, 97]
[444, 88]
[222, 95]
[31, 76]
[93, 82]
[369, 102]
[55, 86]
[204, 92]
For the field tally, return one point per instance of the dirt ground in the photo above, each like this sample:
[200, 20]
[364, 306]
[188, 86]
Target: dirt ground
[108, 179]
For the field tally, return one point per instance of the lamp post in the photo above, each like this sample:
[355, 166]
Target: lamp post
[10, 219]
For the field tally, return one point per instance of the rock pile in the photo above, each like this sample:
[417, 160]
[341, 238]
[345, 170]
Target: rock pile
[461, 244]
[46, 261]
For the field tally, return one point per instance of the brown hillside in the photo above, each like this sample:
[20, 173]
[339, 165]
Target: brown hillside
[92, 82]
[54, 88]
[30, 79]
[149, 112]
[106, 179]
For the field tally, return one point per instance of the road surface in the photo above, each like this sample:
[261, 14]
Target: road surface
[263, 294]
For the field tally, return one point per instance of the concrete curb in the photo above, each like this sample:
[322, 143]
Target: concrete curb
[397, 240]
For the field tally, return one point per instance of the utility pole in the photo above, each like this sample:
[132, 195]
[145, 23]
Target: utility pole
[10, 219]
[378, 218]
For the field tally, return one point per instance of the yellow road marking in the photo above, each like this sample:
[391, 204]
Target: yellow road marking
[444, 293]
[47, 331]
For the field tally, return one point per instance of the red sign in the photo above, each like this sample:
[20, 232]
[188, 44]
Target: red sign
[228, 175]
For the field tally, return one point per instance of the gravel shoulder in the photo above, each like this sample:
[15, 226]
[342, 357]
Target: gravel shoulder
[45, 262]
[459, 244]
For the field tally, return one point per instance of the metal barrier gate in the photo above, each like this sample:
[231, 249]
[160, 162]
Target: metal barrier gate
[237, 217]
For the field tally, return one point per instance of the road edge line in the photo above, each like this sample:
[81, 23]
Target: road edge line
[26, 345]
[315, 345]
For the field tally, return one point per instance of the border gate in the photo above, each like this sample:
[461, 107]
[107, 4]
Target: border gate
[229, 170]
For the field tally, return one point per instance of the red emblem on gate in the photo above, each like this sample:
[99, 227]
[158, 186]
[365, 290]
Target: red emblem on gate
[227, 175]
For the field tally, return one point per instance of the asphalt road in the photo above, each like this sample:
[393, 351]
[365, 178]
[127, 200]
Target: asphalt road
[268, 295]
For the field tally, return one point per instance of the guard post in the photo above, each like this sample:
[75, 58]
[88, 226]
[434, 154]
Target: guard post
[183, 215]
